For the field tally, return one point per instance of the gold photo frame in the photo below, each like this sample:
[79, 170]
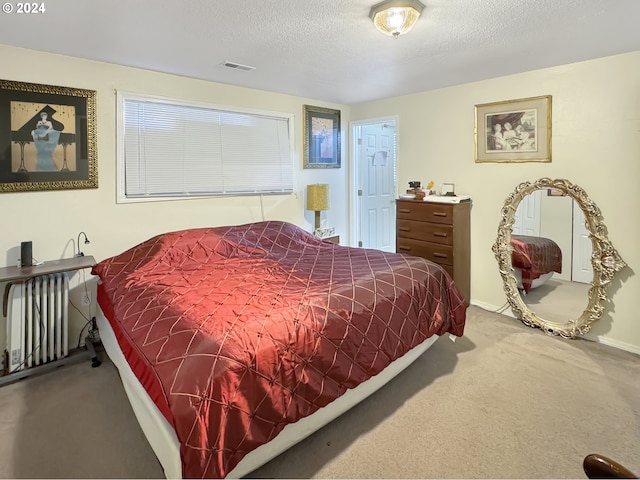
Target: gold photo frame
[47, 137]
[321, 137]
[514, 131]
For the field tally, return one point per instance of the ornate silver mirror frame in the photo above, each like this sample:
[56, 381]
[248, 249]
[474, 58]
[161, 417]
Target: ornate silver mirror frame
[604, 259]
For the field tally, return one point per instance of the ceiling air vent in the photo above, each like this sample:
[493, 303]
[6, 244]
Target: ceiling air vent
[238, 66]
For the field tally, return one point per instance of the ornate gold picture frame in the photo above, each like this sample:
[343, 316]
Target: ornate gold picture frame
[47, 137]
[514, 131]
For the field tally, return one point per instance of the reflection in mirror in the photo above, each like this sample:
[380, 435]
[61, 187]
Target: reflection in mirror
[549, 227]
[554, 256]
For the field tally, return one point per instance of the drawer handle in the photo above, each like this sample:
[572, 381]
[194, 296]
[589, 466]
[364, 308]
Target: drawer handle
[406, 249]
[439, 214]
[404, 210]
[440, 234]
[440, 255]
[404, 229]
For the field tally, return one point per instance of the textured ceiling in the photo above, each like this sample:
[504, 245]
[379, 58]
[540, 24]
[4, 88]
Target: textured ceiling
[328, 49]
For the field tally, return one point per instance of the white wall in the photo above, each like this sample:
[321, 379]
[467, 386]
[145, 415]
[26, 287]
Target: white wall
[595, 144]
[53, 219]
[556, 223]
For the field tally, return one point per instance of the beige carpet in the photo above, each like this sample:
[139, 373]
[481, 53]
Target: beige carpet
[558, 300]
[504, 401]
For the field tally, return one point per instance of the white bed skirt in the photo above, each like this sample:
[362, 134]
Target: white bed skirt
[535, 283]
[163, 439]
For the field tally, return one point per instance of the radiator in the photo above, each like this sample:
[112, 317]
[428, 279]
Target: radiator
[37, 321]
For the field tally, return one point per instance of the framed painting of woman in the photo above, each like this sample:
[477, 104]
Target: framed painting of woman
[47, 137]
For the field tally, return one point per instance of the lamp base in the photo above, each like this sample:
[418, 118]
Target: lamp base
[317, 222]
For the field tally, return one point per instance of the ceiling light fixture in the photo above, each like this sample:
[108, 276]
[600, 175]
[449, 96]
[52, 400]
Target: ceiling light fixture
[395, 17]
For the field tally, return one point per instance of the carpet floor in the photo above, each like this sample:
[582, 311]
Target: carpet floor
[503, 401]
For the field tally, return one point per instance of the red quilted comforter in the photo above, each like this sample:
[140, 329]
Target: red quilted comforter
[237, 331]
[535, 256]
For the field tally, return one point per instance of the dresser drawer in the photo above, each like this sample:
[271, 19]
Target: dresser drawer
[442, 254]
[427, 232]
[425, 211]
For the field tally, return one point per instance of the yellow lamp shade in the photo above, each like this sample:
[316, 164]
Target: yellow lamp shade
[318, 197]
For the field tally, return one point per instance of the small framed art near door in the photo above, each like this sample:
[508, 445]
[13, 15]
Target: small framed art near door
[321, 137]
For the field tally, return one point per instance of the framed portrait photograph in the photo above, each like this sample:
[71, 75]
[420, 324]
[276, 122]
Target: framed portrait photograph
[514, 131]
[47, 137]
[555, 192]
[321, 137]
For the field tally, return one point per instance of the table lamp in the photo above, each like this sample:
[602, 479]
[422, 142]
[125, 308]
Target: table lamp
[318, 200]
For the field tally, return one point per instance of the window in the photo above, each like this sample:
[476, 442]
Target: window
[170, 150]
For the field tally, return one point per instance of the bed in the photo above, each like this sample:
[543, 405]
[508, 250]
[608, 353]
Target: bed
[233, 343]
[534, 260]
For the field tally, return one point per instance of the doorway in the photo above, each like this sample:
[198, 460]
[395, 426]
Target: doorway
[375, 153]
[561, 219]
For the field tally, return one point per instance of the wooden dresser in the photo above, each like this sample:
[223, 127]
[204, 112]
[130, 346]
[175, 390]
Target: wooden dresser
[440, 232]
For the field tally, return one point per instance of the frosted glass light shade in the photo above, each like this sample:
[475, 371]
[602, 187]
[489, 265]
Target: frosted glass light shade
[395, 17]
[318, 197]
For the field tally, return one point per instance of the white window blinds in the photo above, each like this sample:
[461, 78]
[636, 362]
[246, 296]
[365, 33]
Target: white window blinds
[175, 150]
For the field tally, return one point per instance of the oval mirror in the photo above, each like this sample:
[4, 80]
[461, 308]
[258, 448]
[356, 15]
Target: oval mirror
[540, 255]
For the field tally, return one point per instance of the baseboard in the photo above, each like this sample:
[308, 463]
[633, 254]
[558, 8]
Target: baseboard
[505, 310]
[627, 347]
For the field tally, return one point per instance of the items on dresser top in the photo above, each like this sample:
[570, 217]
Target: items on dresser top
[446, 198]
[440, 232]
[415, 190]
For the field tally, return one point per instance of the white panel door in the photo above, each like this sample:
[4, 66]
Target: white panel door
[376, 186]
[527, 217]
[581, 270]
